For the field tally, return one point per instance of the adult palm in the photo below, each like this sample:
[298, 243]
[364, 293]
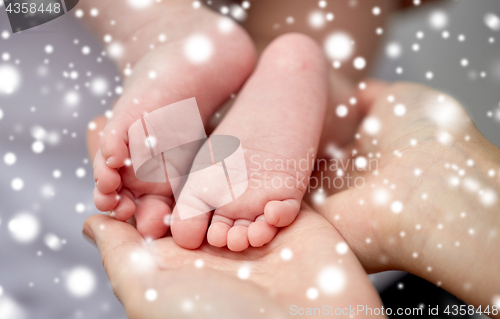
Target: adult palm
[159, 279]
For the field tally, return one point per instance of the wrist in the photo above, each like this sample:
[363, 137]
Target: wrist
[454, 239]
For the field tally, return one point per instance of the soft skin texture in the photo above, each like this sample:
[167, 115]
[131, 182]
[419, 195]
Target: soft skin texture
[275, 117]
[214, 291]
[138, 32]
[468, 271]
[212, 82]
[446, 232]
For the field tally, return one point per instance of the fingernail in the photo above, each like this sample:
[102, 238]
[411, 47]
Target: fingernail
[110, 160]
[88, 234]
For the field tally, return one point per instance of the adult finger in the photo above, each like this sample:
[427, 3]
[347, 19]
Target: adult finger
[338, 140]
[348, 105]
[124, 253]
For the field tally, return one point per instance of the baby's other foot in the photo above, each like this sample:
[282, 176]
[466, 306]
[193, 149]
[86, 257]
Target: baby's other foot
[176, 77]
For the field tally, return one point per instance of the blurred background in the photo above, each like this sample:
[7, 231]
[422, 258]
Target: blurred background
[54, 79]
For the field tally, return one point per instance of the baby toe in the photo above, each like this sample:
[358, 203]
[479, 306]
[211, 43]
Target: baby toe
[281, 213]
[105, 202]
[114, 141]
[189, 233]
[150, 216]
[126, 206]
[237, 236]
[260, 232]
[107, 179]
[217, 232]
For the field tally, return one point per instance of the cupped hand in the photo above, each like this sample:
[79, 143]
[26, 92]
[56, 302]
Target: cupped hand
[418, 190]
[306, 266]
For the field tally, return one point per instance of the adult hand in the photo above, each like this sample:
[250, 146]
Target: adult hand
[159, 279]
[427, 201]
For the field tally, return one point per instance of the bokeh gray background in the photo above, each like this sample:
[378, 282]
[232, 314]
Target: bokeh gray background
[60, 92]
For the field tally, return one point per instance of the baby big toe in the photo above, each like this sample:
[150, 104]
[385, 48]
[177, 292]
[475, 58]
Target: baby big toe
[105, 202]
[281, 213]
[107, 179]
[150, 216]
[113, 143]
[189, 233]
[126, 206]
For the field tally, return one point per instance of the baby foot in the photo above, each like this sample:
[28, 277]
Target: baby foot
[278, 118]
[176, 77]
